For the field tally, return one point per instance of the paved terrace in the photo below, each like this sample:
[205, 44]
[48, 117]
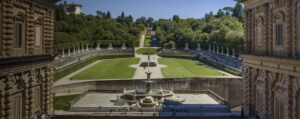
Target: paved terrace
[103, 99]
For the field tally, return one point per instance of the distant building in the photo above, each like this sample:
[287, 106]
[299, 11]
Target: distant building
[72, 8]
[272, 59]
[26, 52]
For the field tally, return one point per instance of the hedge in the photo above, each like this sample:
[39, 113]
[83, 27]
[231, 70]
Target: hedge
[144, 51]
[178, 56]
[72, 68]
[145, 64]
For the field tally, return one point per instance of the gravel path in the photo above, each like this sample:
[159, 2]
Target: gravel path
[140, 71]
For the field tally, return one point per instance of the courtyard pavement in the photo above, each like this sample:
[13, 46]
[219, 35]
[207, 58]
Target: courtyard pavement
[103, 99]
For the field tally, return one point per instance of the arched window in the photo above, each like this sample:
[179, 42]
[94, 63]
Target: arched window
[279, 18]
[19, 30]
[279, 34]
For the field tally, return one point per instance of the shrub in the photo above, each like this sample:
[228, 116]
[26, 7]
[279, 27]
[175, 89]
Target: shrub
[145, 64]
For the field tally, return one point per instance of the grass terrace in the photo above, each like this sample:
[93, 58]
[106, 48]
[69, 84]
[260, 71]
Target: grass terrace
[109, 69]
[179, 68]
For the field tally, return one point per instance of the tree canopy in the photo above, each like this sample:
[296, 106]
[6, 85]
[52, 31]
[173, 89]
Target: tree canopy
[71, 29]
[224, 28]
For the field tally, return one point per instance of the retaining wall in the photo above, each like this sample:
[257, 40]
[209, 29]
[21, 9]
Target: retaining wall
[230, 89]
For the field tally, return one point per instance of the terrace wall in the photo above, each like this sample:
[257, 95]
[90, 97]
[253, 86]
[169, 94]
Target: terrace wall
[230, 89]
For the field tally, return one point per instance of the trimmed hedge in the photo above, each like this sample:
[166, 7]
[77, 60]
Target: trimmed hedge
[72, 68]
[145, 64]
[144, 51]
[179, 56]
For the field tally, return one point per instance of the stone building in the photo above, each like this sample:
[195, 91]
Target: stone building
[26, 50]
[73, 8]
[272, 58]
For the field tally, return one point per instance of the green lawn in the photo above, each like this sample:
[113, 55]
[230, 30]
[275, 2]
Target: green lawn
[147, 42]
[145, 51]
[109, 69]
[178, 68]
[62, 102]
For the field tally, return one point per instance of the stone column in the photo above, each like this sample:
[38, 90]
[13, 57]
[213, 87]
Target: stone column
[30, 26]
[8, 30]
[214, 50]
[227, 51]
[110, 47]
[199, 47]
[29, 99]
[186, 46]
[209, 48]
[233, 53]
[218, 49]
[98, 47]
[7, 110]
[124, 46]
[74, 50]
[69, 52]
[48, 95]
[62, 52]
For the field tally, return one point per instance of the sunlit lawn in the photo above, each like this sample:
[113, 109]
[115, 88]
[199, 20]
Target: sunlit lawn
[178, 68]
[109, 69]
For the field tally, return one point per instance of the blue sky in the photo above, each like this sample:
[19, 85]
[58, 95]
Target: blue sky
[154, 8]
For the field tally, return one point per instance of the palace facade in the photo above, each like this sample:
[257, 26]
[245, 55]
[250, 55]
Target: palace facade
[272, 59]
[26, 51]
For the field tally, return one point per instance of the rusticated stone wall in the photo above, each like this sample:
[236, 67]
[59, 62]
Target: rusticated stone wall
[25, 74]
[30, 14]
[26, 92]
[272, 71]
[265, 15]
[272, 86]
[230, 89]
[137, 117]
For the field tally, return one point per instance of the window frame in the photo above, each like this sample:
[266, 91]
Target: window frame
[38, 23]
[19, 42]
[41, 36]
[18, 34]
[279, 30]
